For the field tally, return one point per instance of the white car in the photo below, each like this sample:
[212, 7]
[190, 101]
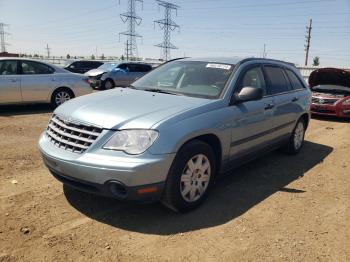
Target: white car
[31, 81]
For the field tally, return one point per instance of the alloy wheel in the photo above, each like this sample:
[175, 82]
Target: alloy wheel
[61, 97]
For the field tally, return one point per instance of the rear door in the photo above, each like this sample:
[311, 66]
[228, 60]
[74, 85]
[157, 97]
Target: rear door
[253, 119]
[37, 81]
[135, 72]
[10, 85]
[284, 99]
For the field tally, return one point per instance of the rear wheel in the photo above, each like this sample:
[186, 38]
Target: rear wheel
[60, 96]
[108, 84]
[296, 139]
[190, 177]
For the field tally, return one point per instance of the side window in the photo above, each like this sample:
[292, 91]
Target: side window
[8, 67]
[75, 65]
[92, 64]
[278, 82]
[254, 77]
[139, 68]
[123, 66]
[95, 64]
[294, 80]
[34, 68]
[132, 68]
[145, 68]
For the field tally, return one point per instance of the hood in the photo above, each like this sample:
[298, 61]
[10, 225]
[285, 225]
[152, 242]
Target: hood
[95, 72]
[329, 76]
[126, 108]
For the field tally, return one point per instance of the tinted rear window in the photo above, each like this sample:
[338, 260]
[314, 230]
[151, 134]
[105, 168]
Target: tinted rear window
[294, 80]
[278, 83]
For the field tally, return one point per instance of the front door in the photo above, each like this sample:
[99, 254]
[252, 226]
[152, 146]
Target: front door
[251, 127]
[10, 83]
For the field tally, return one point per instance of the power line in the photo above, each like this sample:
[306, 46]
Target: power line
[308, 40]
[131, 19]
[167, 25]
[2, 37]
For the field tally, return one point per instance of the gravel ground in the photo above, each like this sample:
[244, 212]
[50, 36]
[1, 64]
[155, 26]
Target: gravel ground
[276, 208]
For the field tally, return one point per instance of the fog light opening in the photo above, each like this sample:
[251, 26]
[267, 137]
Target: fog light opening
[117, 189]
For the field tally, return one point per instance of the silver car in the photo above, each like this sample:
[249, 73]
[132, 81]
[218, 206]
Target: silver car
[120, 74]
[174, 130]
[31, 81]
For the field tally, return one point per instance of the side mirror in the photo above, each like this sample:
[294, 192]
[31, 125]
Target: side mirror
[248, 93]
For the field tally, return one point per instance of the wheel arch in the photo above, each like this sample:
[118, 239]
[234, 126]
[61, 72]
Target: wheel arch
[214, 142]
[306, 118]
[60, 88]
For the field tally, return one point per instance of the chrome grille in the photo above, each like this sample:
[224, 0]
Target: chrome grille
[74, 137]
[324, 101]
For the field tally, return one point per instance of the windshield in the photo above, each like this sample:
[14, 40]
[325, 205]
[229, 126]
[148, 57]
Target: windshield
[108, 66]
[192, 78]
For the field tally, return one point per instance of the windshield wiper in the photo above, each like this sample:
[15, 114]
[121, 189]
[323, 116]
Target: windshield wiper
[157, 90]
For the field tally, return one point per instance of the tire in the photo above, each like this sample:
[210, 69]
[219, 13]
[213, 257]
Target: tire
[60, 96]
[181, 178]
[108, 84]
[296, 140]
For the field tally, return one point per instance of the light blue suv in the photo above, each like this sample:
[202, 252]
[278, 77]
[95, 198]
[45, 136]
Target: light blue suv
[174, 130]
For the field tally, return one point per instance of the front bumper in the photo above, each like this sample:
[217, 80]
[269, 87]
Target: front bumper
[109, 173]
[95, 84]
[336, 110]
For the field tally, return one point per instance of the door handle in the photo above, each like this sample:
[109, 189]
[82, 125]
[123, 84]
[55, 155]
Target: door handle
[14, 80]
[269, 106]
[295, 99]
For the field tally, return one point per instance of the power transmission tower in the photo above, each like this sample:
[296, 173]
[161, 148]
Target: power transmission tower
[48, 50]
[167, 25]
[2, 37]
[308, 41]
[131, 19]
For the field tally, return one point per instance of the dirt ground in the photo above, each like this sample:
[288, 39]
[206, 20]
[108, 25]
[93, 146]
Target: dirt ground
[277, 208]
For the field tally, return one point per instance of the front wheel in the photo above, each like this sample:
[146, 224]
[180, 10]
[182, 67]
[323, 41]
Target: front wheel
[108, 84]
[190, 177]
[296, 139]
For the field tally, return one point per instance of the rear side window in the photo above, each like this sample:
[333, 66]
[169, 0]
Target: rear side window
[132, 68]
[278, 83]
[34, 68]
[8, 67]
[143, 68]
[294, 80]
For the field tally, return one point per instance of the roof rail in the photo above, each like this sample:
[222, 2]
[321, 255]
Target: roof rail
[266, 59]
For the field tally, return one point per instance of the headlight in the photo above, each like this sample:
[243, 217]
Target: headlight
[132, 142]
[346, 102]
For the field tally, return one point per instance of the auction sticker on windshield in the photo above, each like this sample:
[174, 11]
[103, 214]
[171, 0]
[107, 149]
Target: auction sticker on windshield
[219, 66]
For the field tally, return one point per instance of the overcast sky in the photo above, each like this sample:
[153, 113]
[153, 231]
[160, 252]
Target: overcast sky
[208, 28]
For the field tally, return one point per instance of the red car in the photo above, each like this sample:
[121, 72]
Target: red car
[330, 92]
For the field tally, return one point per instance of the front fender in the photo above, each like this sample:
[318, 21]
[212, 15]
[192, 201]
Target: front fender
[174, 133]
